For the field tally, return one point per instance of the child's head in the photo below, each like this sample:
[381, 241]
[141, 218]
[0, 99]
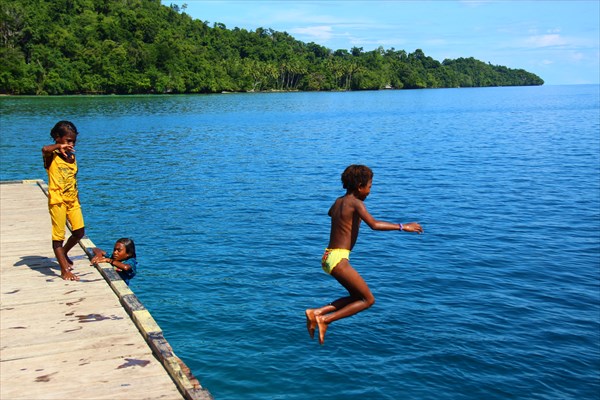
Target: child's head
[356, 176]
[125, 248]
[63, 128]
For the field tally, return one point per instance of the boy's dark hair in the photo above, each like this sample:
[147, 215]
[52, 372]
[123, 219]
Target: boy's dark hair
[129, 246]
[63, 128]
[356, 176]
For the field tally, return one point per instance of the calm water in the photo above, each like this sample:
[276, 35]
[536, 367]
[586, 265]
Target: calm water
[226, 197]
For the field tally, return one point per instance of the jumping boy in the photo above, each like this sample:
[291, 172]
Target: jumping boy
[346, 214]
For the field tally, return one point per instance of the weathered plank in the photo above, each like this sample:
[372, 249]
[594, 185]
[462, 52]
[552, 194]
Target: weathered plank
[73, 340]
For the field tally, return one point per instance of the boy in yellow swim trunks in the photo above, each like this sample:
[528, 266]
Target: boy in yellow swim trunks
[63, 196]
[346, 214]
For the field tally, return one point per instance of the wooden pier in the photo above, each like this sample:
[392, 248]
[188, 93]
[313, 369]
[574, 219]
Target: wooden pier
[90, 339]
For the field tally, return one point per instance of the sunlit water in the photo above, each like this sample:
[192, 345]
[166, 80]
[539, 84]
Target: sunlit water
[226, 197]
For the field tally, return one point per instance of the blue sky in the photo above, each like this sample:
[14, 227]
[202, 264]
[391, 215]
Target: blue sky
[557, 40]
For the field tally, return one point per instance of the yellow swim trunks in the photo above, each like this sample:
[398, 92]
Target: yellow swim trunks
[332, 257]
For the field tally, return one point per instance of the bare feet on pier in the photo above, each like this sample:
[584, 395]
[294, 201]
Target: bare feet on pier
[67, 275]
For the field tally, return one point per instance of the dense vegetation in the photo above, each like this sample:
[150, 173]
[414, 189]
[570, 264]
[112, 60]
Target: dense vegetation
[141, 46]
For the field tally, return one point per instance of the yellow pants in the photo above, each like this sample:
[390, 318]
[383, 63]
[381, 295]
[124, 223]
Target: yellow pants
[59, 213]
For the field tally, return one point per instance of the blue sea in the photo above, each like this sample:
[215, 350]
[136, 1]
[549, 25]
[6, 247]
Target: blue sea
[226, 197]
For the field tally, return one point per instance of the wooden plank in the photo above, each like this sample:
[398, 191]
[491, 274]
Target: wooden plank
[59, 339]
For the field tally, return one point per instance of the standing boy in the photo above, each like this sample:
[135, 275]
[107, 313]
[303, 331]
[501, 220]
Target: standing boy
[63, 196]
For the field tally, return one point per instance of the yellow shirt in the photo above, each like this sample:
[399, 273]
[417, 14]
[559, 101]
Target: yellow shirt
[62, 181]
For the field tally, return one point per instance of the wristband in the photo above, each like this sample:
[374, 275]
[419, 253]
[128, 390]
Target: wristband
[401, 227]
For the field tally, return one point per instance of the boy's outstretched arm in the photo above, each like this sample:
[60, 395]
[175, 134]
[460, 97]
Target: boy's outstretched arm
[412, 227]
[383, 225]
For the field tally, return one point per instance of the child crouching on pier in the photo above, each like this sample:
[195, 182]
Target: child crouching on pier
[123, 258]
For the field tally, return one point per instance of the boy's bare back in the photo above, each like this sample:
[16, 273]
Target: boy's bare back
[345, 222]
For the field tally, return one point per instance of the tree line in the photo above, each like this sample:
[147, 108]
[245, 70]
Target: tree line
[141, 46]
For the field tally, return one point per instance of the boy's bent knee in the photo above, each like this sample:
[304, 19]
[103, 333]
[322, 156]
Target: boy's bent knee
[79, 233]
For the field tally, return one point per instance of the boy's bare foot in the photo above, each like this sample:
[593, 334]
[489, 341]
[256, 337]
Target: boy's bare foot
[68, 275]
[311, 322]
[322, 328]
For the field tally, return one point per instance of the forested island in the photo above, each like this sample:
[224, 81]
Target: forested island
[141, 46]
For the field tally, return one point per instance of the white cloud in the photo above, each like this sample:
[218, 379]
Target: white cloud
[306, 13]
[317, 33]
[577, 57]
[550, 40]
[438, 42]
[474, 3]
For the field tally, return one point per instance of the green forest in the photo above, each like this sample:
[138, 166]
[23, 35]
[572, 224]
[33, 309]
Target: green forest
[63, 47]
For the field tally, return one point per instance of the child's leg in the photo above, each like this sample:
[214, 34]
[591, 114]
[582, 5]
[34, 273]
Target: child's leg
[75, 237]
[58, 215]
[75, 217]
[360, 298]
[65, 268]
[312, 313]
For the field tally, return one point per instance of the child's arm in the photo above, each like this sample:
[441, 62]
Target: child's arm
[48, 150]
[102, 257]
[376, 225]
[62, 147]
[99, 255]
[411, 227]
[120, 266]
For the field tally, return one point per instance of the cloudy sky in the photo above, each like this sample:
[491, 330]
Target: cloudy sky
[557, 40]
